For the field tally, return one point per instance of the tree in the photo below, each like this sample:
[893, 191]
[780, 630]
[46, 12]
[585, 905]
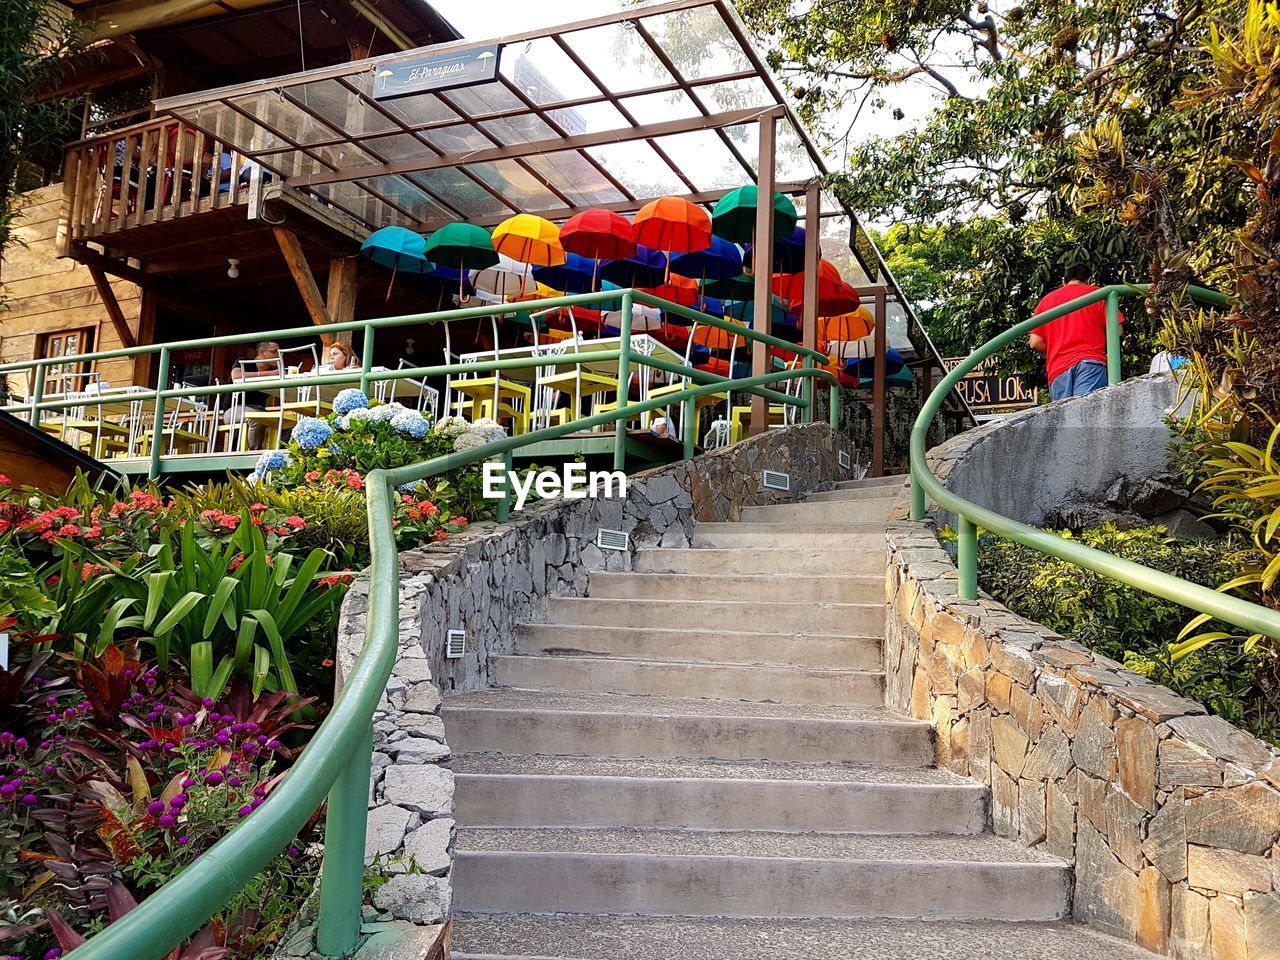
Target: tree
[995, 160]
[35, 38]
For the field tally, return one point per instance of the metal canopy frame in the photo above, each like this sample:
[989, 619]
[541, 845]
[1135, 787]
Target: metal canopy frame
[525, 141]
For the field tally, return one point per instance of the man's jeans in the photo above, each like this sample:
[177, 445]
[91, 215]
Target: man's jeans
[1085, 377]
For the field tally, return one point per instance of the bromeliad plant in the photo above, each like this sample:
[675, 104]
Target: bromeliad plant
[224, 608]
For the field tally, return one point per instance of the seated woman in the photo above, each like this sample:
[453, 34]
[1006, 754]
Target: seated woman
[341, 357]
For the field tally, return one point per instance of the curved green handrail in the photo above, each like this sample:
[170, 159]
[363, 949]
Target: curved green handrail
[336, 760]
[1234, 610]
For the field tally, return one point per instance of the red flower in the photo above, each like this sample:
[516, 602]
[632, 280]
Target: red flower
[65, 513]
[4, 524]
[295, 522]
[235, 564]
[91, 570]
[354, 481]
[69, 530]
[228, 521]
[94, 532]
[439, 534]
[53, 581]
[254, 508]
[428, 508]
[312, 476]
[327, 662]
[459, 521]
[5, 481]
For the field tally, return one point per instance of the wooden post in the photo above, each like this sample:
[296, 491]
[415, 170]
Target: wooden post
[302, 276]
[812, 253]
[878, 391]
[344, 273]
[763, 291]
[143, 364]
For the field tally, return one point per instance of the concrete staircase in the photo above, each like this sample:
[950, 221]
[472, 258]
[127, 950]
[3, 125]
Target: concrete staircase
[695, 761]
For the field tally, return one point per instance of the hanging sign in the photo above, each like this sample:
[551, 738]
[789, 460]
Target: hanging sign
[984, 390]
[436, 71]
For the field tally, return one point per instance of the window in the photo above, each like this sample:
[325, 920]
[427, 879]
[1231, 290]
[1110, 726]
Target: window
[59, 378]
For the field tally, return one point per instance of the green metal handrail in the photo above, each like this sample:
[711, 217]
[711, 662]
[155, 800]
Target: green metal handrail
[336, 761]
[1249, 616]
[367, 375]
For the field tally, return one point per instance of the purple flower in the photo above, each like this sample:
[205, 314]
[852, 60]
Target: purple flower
[167, 821]
[245, 811]
[8, 790]
[29, 800]
[234, 782]
[183, 840]
[213, 779]
[179, 801]
[155, 808]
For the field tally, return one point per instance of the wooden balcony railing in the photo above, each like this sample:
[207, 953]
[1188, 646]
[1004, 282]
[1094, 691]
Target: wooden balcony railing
[148, 173]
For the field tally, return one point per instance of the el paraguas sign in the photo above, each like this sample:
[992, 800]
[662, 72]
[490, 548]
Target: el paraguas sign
[436, 71]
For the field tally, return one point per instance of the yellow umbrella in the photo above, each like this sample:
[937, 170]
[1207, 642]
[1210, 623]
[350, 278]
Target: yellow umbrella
[529, 239]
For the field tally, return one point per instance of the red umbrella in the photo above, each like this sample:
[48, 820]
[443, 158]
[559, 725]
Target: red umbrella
[677, 289]
[673, 225]
[833, 302]
[790, 286]
[598, 235]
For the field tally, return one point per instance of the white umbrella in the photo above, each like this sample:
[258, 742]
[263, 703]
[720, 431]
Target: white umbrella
[508, 278]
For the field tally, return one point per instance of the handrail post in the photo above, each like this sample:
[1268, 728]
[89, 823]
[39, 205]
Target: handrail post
[624, 386]
[504, 505]
[157, 422]
[967, 559]
[37, 396]
[808, 391]
[689, 427]
[1113, 337]
[342, 868]
[917, 493]
[833, 414]
[366, 359]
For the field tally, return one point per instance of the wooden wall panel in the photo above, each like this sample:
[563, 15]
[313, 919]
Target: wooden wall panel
[43, 293]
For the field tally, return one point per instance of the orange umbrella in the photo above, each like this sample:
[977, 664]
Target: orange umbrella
[713, 338]
[678, 289]
[529, 239]
[846, 326]
[674, 225]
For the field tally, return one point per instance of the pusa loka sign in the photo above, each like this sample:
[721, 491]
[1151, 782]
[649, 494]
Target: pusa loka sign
[436, 71]
[985, 390]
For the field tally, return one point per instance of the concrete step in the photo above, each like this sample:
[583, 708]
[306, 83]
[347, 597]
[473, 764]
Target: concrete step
[853, 560]
[678, 678]
[532, 791]
[825, 513]
[611, 725]
[863, 536]
[603, 937]
[872, 483]
[830, 619]
[717, 646]
[852, 494]
[750, 587]
[755, 874]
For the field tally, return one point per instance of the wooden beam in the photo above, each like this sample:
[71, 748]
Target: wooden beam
[130, 16]
[145, 364]
[812, 253]
[296, 261]
[344, 282]
[108, 298]
[763, 279]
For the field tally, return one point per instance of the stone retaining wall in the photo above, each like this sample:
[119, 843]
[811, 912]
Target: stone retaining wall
[487, 579]
[1172, 817]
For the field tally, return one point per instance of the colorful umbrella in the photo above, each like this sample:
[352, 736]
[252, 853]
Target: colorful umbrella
[790, 286]
[734, 216]
[463, 246]
[399, 249]
[645, 268]
[788, 253]
[643, 318]
[506, 278]
[846, 326]
[529, 239]
[741, 287]
[599, 235]
[714, 338]
[575, 275]
[865, 365]
[720, 261]
[677, 289]
[746, 310]
[673, 225]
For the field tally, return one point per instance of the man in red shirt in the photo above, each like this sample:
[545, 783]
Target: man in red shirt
[1074, 345]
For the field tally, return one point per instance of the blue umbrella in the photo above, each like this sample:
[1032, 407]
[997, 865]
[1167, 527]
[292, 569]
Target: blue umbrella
[454, 276]
[788, 253]
[720, 261]
[864, 367]
[746, 310]
[399, 249]
[648, 268]
[575, 275]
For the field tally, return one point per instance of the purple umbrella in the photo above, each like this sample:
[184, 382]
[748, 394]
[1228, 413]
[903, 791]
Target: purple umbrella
[648, 268]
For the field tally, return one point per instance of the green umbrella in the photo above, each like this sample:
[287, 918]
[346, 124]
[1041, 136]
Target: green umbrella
[741, 287]
[463, 246]
[734, 217]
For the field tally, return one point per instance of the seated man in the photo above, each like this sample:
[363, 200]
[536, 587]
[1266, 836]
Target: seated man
[265, 365]
[1074, 345]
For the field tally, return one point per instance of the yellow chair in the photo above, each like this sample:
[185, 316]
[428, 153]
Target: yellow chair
[496, 397]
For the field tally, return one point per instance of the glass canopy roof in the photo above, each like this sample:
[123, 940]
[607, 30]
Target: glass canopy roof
[610, 112]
